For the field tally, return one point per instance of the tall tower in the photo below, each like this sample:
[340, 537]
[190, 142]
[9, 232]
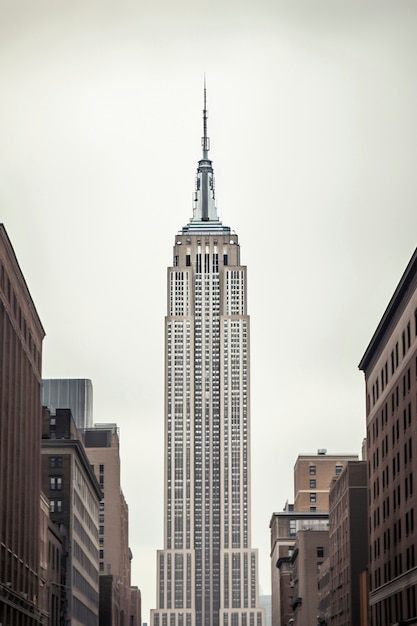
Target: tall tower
[207, 571]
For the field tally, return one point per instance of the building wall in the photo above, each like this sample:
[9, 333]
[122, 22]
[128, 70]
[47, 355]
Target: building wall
[285, 527]
[285, 593]
[283, 535]
[21, 336]
[43, 600]
[348, 518]
[390, 368]
[311, 549]
[74, 495]
[135, 617]
[102, 447]
[324, 593]
[207, 572]
[312, 477]
[54, 580]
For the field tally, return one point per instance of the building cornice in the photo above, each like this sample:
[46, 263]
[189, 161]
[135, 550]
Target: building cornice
[401, 296]
[21, 279]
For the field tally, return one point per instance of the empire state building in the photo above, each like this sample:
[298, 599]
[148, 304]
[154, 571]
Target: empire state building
[207, 573]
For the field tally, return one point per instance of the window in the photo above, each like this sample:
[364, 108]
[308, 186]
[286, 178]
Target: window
[55, 461]
[313, 497]
[312, 483]
[339, 469]
[55, 483]
[55, 506]
[320, 552]
[313, 509]
[312, 470]
[101, 469]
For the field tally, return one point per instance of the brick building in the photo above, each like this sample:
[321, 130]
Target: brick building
[21, 336]
[313, 474]
[348, 543]
[390, 368]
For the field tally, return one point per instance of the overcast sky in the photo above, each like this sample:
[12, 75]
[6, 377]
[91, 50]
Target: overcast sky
[313, 127]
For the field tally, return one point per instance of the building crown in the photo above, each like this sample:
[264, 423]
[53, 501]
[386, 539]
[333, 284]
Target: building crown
[205, 216]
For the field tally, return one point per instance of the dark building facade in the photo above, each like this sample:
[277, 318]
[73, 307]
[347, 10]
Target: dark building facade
[74, 495]
[348, 543]
[21, 336]
[390, 368]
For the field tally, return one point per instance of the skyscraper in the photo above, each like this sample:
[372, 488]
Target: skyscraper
[207, 571]
[70, 393]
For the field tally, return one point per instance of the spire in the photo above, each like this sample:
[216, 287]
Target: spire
[204, 205]
[205, 216]
[205, 141]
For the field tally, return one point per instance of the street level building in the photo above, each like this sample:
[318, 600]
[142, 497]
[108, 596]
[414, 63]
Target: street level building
[207, 571]
[310, 551]
[390, 368]
[348, 544]
[102, 448]
[21, 336]
[74, 495]
[313, 475]
[285, 527]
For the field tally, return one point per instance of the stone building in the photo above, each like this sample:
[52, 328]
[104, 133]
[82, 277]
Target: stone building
[74, 495]
[102, 448]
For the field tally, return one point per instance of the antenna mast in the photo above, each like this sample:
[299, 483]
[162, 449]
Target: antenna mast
[205, 141]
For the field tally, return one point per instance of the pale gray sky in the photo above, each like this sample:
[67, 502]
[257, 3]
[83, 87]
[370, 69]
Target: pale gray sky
[312, 118]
